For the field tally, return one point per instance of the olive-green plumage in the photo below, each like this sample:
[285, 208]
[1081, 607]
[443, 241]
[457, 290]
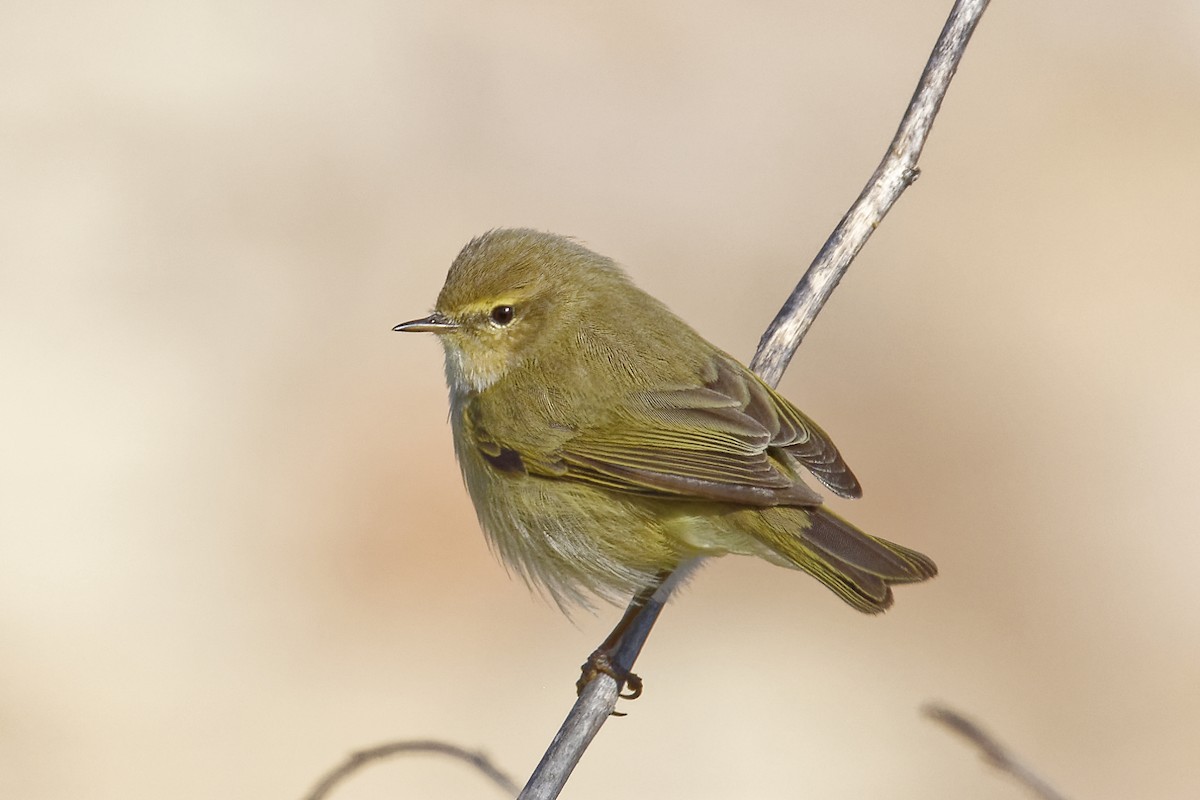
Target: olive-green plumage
[604, 441]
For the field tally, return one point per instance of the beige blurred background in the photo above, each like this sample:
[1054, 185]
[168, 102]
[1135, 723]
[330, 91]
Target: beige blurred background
[234, 544]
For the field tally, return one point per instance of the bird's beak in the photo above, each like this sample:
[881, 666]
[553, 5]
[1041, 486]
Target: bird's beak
[434, 323]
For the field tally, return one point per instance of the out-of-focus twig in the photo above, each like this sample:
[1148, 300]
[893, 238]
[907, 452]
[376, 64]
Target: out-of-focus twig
[895, 173]
[992, 751]
[358, 760]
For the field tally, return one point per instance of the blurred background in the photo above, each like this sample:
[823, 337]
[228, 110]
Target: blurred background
[234, 545]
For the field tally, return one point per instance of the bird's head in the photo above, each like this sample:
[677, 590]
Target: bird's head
[510, 294]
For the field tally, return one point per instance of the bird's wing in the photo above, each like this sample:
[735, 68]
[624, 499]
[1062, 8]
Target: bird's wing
[728, 438]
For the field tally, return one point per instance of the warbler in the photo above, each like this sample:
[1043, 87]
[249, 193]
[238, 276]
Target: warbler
[604, 442]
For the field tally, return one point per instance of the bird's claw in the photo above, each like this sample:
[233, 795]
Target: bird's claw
[600, 663]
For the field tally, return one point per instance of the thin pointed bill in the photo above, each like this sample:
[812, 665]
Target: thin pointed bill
[434, 323]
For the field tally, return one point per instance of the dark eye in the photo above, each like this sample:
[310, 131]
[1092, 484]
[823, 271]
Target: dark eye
[502, 315]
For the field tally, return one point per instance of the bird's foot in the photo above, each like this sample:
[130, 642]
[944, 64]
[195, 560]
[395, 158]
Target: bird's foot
[600, 663]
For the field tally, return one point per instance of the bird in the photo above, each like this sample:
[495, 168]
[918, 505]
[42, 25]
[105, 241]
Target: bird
[605, 443]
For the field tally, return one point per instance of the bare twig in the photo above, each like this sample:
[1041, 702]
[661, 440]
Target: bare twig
[594, 705]
[895, 173]
[358, 760]
[992, 751]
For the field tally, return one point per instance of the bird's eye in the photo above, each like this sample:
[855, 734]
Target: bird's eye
[502, 315]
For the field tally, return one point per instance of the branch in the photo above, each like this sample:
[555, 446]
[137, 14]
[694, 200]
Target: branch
[358, 760]
[992, 751]
[894, 174]
[595, 704]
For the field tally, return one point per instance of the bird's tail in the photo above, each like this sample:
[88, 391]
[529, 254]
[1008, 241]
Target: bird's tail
[859, 567]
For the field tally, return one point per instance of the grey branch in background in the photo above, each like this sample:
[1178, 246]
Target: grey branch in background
[895, 173]
[992, 751]
[358, 760]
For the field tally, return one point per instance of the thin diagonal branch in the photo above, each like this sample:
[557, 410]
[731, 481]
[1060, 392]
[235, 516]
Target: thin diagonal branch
[895, 173]
[594, 705]
[992, 751]
[357, 761]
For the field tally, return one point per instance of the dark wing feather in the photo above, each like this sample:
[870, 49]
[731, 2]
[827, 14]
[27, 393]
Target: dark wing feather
[789, 429]
[700, 474]
[744, 429]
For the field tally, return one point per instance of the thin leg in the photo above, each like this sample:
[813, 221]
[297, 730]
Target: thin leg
[602, 659]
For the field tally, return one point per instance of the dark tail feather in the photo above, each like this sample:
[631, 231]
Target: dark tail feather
[860, 568]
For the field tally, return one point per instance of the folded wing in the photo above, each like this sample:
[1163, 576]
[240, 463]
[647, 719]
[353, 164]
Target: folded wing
[729, 438]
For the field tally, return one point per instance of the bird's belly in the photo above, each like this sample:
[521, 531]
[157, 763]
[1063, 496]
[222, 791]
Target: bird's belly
[568, 538]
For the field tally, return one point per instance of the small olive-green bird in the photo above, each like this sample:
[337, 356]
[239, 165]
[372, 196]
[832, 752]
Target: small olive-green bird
[604, 442]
